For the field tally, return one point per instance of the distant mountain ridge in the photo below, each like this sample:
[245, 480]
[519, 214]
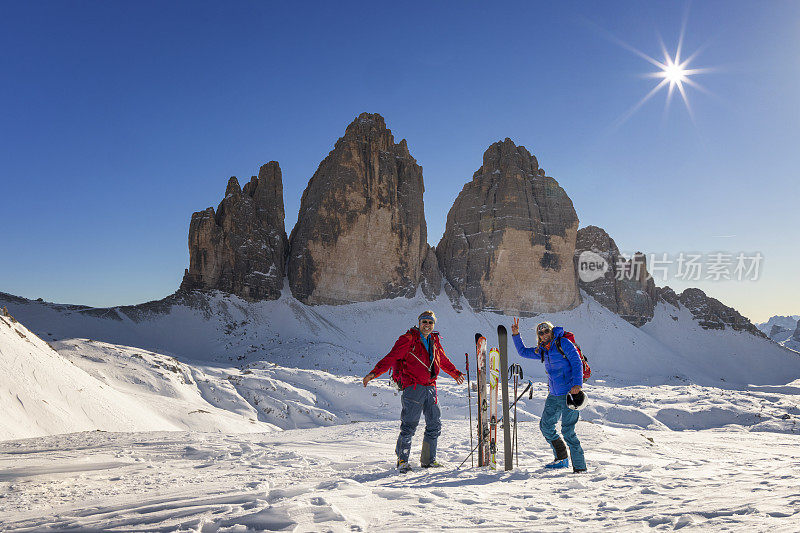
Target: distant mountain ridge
[785, 330]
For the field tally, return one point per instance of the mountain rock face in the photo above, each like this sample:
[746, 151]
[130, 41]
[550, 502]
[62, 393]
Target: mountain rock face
[510, 236]
[666, 294]
[636, 291]
[361, 232]
[779, 325]
[241, 248]
[713, 314]
[776, 330]
[796, 334]
[431, 282]
[626, 287]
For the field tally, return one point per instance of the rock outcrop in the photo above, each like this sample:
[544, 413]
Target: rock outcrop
[796, 334]
[636, 291]
[361, 232]
[666, 294]
[625, 287]
[776, 330]
[510, 236]
[431, 282]
[241, 248]
[713, 314]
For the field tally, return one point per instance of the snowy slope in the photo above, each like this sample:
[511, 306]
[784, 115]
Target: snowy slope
[253, 367]
[43, 392]
[349, 339]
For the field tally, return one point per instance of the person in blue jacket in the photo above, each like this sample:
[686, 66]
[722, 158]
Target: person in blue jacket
[564, 375]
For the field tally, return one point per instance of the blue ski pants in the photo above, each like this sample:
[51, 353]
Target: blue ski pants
[555, 407]
[417, 400]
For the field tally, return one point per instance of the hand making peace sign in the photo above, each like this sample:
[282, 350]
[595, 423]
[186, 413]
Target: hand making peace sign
[515, 326]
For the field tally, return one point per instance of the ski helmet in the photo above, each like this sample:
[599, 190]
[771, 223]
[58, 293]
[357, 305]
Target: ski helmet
[576, 401]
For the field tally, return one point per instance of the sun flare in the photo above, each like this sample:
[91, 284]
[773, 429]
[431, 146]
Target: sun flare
[673, 72]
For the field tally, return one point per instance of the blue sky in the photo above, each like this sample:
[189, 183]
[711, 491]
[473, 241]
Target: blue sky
[119, 119]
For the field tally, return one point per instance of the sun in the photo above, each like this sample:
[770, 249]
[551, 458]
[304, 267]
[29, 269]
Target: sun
[673, 73]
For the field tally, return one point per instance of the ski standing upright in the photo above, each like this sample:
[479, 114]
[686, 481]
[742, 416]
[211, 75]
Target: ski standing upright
[494, 378]
[483, 404]
[516, 371]
[502, 337]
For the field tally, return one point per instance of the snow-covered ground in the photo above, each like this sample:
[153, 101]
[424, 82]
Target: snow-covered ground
[236, 415]
[340, 478]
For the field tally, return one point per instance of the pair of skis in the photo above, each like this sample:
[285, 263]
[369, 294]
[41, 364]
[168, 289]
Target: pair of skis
[487, 407]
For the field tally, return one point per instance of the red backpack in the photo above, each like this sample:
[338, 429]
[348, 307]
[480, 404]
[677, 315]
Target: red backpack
[587, 371]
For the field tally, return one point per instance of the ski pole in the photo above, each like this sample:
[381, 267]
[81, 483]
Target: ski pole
[528, 387]
[469, 403]
[516, 371]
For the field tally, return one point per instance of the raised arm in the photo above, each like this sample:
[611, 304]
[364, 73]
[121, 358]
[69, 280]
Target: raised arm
[522, 350]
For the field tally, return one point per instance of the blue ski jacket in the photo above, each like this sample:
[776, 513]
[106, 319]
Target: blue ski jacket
[563, 371]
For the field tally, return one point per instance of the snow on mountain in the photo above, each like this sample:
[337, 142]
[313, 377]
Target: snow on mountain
[44, 392]
[223, 364]
[788, 323]
[785, 330]
[285, 398]
[349, 339]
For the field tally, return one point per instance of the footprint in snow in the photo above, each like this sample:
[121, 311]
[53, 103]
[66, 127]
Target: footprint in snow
[391, 494]
[638, 506]
[289, 492]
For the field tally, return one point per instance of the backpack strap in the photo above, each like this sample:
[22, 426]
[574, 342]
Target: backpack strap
[560, 349]
[577, 349]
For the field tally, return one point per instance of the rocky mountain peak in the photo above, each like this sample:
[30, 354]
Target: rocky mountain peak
[626, 287]
[361, 234]
[370, 128]
[510, 236]
[506, 157]
[713, 314]
[233, 187]
[241, 247]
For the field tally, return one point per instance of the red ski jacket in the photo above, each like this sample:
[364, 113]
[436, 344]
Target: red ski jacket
[414, 362]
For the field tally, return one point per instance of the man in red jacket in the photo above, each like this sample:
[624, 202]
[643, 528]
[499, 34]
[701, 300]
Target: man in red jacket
[417, 357]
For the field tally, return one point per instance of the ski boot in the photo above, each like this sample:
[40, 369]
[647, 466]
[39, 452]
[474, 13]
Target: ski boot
[558, 463]
[403, 466]
[433, 464]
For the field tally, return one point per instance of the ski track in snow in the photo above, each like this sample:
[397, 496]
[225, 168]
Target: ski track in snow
[341, 478]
